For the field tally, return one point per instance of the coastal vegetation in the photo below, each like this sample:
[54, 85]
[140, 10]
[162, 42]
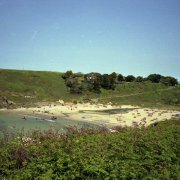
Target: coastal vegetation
[29, 87]
[147, 153]
[91, 152]
[78, 83]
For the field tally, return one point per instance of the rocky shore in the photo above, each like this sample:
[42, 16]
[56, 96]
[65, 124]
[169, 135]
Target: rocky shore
[6, 103]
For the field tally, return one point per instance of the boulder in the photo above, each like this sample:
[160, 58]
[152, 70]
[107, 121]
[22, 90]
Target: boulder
[5, 103]
[61, 102]
[10, 102]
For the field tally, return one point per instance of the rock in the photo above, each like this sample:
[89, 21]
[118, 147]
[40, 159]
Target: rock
[28, 97]
[112, 130]
[94, 100]
[4, 98]
[5, 103]
[10, 102]
[61, 102]
[154, 124]
[53, 118]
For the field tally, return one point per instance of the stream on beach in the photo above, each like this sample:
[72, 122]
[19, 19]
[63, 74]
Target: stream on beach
[110, 111]
[13, 121]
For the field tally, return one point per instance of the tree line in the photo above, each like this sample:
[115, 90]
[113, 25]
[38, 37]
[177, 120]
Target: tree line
[78, 82]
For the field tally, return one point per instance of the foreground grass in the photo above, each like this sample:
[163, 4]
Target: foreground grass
[151, 153]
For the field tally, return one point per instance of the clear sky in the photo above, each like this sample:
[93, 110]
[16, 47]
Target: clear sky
[136, 37]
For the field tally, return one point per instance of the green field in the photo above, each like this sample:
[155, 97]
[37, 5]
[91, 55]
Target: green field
[149, 153]
[41, 86]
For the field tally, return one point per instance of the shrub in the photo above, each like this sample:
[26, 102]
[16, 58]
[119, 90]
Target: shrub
[89, 153]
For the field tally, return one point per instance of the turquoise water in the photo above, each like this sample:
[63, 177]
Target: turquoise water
[10, 121]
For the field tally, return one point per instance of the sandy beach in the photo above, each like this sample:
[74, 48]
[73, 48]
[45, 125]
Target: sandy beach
[104, 115]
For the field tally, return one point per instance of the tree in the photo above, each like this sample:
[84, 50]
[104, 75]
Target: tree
[68, 74]
[95, 79]
[106, 81]
[70, 82]
[169, 81]
[74, 85]
[173, 81]
[139, 79]
[79, 74]
[120, 78]
[129, 78]
[92, 77]
[76, 88]
[155, 78]
[113, 76]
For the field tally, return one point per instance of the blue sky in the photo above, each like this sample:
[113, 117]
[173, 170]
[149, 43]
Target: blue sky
[136, 37]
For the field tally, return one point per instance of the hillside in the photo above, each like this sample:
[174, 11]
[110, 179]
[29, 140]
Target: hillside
[36, 86]
[166, 97]
[32, 86]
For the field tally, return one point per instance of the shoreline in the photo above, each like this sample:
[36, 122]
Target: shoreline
[103, 115]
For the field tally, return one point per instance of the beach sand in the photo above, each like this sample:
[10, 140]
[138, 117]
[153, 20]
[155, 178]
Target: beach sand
[104, 115]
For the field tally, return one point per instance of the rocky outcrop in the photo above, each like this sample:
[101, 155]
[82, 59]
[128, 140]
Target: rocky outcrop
[6, 103]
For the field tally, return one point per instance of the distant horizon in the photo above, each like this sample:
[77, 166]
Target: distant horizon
[86, 72]
[130, 37]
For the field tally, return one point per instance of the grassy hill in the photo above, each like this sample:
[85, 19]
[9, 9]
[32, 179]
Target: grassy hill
[35, 86]
[149, 153]
[167, 97]
[40, 85]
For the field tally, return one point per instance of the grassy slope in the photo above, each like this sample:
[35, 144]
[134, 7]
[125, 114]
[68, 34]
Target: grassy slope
[151, 153]
[49, 86]
[144, 94]
[157, 98]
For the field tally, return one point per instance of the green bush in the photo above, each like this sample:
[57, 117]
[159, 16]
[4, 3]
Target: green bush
[150, 153]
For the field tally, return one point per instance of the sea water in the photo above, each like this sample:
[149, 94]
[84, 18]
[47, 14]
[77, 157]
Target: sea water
[12, 121]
